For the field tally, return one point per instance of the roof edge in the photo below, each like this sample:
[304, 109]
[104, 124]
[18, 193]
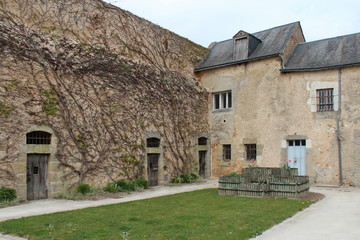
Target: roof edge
[235, 62]
[318, 68]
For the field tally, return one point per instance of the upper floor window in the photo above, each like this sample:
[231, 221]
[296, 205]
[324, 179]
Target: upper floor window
[38, 137]
[222, 100]
[325, 99]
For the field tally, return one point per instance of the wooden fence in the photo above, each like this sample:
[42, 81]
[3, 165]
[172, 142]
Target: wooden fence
[266, 182]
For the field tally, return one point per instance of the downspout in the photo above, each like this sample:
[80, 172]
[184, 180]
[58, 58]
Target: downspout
[338, 132]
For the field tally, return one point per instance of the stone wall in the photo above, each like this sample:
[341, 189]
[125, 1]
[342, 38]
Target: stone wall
[97, 102]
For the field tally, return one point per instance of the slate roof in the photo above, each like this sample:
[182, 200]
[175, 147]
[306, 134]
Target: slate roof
[273, 43]
[325, 54]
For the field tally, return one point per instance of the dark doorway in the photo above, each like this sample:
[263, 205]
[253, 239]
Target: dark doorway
[153, 164]
[202, 163]
[36, 175]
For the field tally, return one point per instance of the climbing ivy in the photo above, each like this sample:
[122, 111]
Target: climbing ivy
[50, 104]
[5, 109]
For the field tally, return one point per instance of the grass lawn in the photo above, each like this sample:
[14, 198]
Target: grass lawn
[195, 215]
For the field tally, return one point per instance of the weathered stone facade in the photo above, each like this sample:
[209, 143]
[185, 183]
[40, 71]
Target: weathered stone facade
[275, 109]
[100, 81]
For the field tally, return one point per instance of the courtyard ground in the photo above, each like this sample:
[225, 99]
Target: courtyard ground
[337, 216]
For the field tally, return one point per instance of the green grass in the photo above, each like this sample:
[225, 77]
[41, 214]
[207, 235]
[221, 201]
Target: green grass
[195, 215]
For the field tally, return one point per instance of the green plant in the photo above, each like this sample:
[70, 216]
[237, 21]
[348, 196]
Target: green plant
[7, 194]
[193, 177]
[83, 188]
[49, 106]
[253, 164]
[176, 180]
[5, 109]
[110, 187]
[124, 185]
[142, 183]
[185, 178]
[234, 174]
[286, 164]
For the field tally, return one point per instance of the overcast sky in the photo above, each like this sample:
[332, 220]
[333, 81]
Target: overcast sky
[206, 21]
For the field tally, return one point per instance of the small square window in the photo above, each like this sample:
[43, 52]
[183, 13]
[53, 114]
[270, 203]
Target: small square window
[250, 151]
[227, 152]
[325, 99]
[222, 100]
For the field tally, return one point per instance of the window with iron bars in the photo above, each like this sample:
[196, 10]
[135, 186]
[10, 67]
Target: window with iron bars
[226, 152]
[152, 142]
[38, 137]
[325, 99]
[250, 151]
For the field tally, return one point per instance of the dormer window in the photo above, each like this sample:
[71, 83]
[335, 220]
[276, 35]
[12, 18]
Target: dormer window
[244, 45]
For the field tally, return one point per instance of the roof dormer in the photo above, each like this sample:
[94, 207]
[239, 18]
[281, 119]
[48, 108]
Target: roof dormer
[244, 45]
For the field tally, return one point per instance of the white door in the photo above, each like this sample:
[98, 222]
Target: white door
[296, 154]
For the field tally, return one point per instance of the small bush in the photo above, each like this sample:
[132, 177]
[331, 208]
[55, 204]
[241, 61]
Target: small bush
[7, 194]
[110, 187]
[185, 178]
[124, 185]
[193, 177]
[176, 180]
[141, 182]
[83, 188]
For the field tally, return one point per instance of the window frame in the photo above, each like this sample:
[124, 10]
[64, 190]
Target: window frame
[251, 151]
[325, 99]
[222, 100]
[226, 154]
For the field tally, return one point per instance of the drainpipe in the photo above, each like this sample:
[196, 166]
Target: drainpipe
[338, 132]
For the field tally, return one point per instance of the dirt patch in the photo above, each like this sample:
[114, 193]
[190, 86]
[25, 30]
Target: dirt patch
[313, 196]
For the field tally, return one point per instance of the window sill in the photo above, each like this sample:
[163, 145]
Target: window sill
[325, 115]
[222, 110]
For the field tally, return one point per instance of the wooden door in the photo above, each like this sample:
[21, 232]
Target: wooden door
[37, 174]
[202, 163]
[296, 153]
[153, 164]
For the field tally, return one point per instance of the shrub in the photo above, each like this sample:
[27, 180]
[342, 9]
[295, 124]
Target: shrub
[83, 188]
[110, 187]
[185, 178]
[193, 177]
[7, 194]
[176, 180]
[124, 185]
[141, 182]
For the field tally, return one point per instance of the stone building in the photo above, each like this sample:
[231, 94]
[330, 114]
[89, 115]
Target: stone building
[273, 96]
